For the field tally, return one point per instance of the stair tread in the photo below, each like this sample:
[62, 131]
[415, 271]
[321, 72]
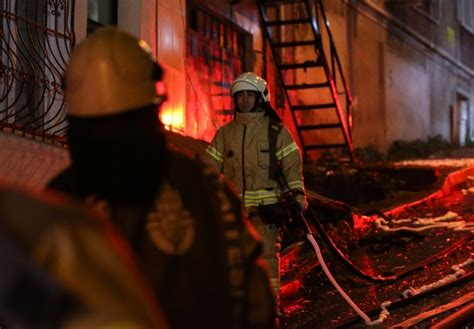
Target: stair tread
[324, 146]
[307, 85]
[294, 43]
[313, 106]
[320, 126]
[306, 64]
[289, 21]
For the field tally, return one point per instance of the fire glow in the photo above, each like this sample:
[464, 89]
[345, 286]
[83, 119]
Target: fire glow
[172, 118]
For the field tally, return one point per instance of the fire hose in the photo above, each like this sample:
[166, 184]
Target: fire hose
[379, 278]
[296, 215]
[297, 218]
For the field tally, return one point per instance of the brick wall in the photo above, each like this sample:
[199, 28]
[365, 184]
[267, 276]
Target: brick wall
[28, 162]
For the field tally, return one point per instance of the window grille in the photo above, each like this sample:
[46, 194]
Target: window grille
[36, 38]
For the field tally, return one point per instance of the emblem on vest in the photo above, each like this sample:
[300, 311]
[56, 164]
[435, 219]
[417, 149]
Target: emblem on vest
[169, 224]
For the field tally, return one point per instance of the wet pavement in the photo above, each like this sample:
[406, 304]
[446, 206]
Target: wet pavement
[310, 301]
[414, 245]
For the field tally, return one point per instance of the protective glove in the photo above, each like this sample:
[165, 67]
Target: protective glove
[294, 202]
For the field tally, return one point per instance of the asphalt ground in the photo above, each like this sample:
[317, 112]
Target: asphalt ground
[414, 259]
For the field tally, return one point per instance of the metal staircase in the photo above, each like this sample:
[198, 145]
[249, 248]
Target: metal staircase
[321, 105]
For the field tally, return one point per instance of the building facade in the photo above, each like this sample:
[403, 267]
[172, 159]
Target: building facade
[409, 65]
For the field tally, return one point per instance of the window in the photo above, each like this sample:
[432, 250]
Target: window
[466, 14]
[215, 54]
[100, 13]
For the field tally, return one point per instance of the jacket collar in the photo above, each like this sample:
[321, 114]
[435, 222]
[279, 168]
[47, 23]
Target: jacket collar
[245, 118]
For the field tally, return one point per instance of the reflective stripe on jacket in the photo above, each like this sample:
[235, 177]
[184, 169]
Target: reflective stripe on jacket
[240, 150]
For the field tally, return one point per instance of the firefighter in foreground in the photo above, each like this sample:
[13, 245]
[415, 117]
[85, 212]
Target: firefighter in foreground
[258, 154]
[64, 267]
[183, 224]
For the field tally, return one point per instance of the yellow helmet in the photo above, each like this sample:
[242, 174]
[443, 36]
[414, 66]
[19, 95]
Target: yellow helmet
[111, 72]
[250, 81]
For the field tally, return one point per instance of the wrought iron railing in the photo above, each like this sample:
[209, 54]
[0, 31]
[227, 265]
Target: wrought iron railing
[36, 38]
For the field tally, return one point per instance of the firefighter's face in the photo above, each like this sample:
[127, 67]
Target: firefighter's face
[246, 100]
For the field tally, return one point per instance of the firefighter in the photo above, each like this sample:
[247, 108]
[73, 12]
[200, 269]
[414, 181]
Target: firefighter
[183, 224]
[63, 267]
[258, 154]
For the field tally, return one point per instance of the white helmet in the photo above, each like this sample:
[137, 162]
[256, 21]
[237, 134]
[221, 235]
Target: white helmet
[250, 81]
[110, 72]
